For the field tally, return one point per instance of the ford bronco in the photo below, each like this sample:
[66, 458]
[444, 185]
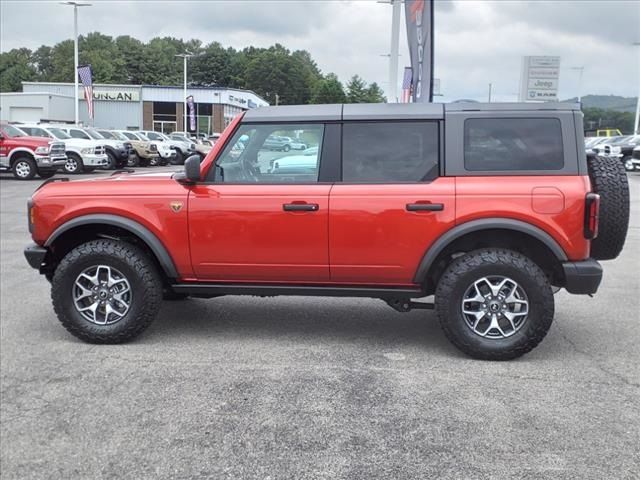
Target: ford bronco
[489, 208]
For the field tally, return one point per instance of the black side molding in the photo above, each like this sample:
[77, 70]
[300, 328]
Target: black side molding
[156, 246]
[216, 290]
[485, 224]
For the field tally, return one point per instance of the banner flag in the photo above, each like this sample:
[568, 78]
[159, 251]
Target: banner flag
[419, 17]
[191, 106]
[85, 75]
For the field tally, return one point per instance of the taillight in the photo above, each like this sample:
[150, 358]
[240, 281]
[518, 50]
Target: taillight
[591, 215]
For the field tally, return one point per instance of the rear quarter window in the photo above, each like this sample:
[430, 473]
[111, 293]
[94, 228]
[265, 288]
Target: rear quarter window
[498, 144]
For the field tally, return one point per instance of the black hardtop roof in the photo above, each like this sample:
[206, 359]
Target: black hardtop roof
[388, 111]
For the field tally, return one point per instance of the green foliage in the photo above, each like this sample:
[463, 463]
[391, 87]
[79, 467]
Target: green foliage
[595, 118]
[15, 66]
[329, 90]
[293, 76]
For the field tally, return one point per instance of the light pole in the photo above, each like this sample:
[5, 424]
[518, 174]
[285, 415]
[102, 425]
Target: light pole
[637, 122]
[75, 51]
[184, 57]
[393, 55]
[581, 70]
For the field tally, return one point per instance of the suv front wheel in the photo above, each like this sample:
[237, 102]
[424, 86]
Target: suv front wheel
[106, 291]
[494, 304]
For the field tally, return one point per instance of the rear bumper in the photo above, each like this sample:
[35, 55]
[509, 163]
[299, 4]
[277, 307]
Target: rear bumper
[35, 255]
[582, 278]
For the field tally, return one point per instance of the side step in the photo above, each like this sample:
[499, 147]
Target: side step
[216, 290]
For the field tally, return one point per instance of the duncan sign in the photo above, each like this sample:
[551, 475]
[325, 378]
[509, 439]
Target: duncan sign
[114, 95]
[539, 79]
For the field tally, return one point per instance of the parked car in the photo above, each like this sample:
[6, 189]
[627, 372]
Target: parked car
[116, 151]
[277, 143]
[489, 218]
[635, 158]
[146, 152]
[202, 147]
[183, 149]
[620, 148]
[83, 155]
[130, 151]
[27, 156]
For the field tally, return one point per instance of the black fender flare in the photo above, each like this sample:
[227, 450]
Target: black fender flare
[485, 224]
[148, 237]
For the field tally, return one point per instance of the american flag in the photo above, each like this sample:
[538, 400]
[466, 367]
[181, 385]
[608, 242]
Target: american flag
[406, 85]
[84, 72]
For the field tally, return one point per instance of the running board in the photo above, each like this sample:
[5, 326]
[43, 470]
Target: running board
[217, 290]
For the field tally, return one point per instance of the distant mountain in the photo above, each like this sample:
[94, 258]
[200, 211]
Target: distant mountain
[608, 102]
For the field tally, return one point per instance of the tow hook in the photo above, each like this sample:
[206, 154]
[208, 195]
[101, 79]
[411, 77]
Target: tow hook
[406, 305]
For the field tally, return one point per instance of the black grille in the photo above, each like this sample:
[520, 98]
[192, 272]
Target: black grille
[153, 147]
[636, 154]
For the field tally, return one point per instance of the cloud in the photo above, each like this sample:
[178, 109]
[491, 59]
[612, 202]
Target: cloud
[477, 43]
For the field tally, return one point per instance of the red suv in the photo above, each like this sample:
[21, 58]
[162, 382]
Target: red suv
[27, 156]
[490, 208]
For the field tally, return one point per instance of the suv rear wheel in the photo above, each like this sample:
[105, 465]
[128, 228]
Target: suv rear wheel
[106, 291]
[494, 304]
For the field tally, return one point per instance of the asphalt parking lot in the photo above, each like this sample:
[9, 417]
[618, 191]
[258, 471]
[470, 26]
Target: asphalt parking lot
[314, 388]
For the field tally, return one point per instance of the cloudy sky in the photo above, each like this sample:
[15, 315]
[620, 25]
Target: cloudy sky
[476, 42]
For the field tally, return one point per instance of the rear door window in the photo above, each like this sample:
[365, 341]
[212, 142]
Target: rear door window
[495, 144]
[389, 152]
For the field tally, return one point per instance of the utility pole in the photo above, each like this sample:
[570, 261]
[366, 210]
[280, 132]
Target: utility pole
[490, 85]
[184, 57]
[75, 53]
[393, 57]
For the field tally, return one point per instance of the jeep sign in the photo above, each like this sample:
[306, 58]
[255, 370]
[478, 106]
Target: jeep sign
[539, 79]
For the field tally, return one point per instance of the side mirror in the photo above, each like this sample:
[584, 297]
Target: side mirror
[191, 172]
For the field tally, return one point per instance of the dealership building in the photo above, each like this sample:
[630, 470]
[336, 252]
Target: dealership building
[128, 107]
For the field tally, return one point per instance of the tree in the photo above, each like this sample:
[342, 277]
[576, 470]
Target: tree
[375, 94]
[329, 90]
[357, 90]
[106, 60]
[15, 67]
[133, 53]
[212, 66]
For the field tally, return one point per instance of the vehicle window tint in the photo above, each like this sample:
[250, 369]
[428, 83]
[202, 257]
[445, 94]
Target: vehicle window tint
[389, 152]
[79, 134]
[271, 154]
[492, 144]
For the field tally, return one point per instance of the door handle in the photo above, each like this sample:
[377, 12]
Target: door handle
[425, 207]
[300, 207]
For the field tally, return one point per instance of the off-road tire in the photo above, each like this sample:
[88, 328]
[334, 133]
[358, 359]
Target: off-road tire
[133, 161]
[140, 271]
[179, 159]
[79, 165]
[609, 180]
[468, 268]
[24, 168]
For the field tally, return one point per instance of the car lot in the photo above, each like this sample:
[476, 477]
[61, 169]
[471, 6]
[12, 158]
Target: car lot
[313, 388]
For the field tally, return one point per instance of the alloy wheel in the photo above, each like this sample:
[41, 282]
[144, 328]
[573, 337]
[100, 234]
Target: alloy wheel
[495, 307]
[22, 169]
[102, 295]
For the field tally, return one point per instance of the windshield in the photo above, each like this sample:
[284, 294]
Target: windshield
[12, 131]
[59, 134]
[93, 134]
[181, 138]
[129, 135]
[142, 136]
[108, 135]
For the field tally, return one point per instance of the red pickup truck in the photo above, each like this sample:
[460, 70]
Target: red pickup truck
[490, 208]
[27, 156]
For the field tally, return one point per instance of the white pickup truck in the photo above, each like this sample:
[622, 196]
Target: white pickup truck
[82, 155]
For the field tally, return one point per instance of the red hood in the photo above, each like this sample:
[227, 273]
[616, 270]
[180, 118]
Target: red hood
[30, 141]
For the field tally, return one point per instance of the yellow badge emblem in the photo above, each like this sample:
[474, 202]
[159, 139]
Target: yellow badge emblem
[176, 206]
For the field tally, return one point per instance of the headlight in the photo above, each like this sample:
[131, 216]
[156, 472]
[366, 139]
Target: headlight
[42, 150]
[86, 151]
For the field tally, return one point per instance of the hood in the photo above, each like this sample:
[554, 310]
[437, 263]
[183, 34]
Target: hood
[33, 141]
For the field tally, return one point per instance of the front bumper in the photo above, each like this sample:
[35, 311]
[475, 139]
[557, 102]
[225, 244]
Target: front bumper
[93, 160]
[46, 162]
[582, 278]
[171, 154]
[35, 255]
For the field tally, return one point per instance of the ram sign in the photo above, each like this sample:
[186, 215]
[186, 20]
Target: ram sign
[539, 79]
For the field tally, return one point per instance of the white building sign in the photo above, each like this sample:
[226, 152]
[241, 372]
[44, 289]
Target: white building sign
[539, 79]
[113, 95]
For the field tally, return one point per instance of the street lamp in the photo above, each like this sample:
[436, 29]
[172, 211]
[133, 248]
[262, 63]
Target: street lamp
[75, 51]
[184, 57]
[581, 70]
